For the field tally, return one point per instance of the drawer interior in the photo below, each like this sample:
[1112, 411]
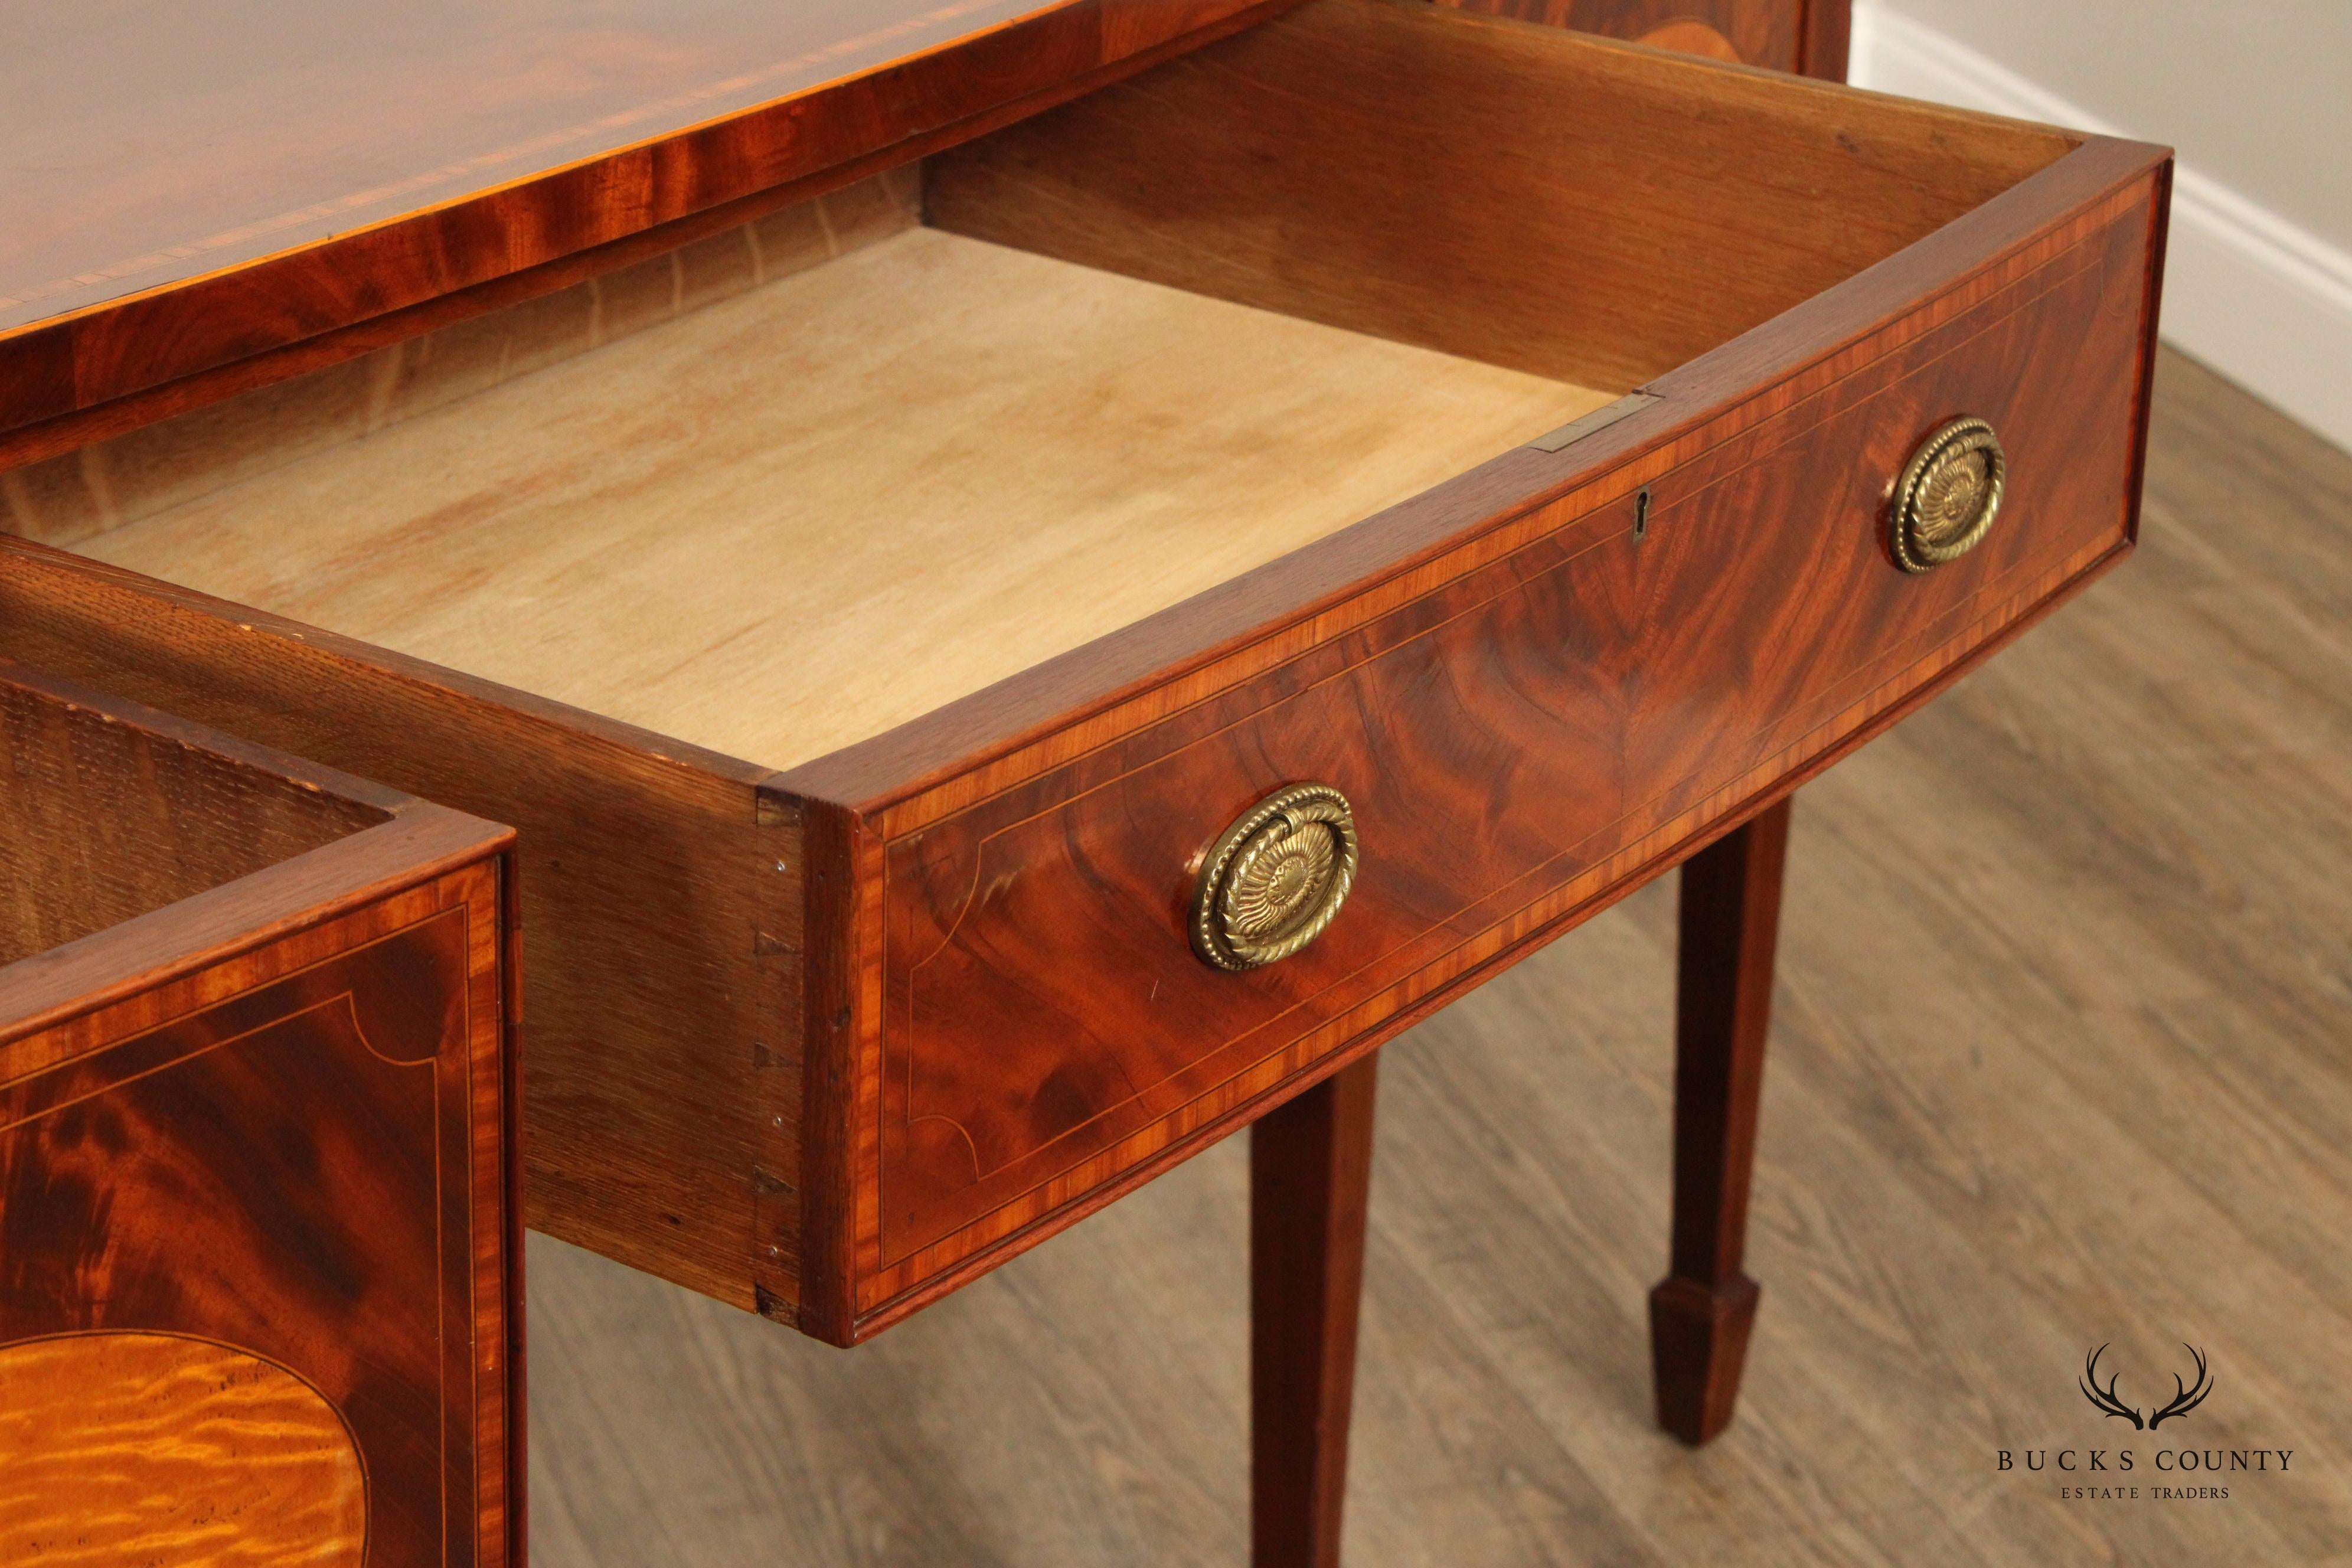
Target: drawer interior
[107, 820]
[795, 517]
[872, 453]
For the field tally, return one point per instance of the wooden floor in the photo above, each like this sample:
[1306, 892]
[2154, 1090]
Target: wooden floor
[2062, 1054]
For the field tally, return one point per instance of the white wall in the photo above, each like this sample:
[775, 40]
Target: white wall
[2257, 97]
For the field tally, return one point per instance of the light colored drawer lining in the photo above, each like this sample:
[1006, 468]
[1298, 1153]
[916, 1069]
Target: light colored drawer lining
[787, 522]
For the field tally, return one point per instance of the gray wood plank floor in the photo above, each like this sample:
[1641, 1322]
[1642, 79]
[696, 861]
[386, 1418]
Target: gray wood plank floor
[2061, 1054]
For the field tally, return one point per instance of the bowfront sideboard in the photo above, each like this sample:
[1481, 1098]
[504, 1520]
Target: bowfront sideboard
[1035, 583]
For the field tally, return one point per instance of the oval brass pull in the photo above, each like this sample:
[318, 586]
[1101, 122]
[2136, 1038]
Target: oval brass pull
[1274, 880]
[1945, 502]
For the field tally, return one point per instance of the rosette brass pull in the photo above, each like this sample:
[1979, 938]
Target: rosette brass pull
[1945, 502]
[1274, 880]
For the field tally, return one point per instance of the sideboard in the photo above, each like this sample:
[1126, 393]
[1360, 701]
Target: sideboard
[1035, 583]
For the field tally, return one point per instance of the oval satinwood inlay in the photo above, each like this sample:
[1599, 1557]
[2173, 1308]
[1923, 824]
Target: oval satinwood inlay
[122, 1450]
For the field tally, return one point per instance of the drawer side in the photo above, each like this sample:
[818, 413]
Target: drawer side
[660, 911]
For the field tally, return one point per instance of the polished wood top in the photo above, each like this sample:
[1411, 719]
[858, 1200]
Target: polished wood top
[185, 187]
[227, 133]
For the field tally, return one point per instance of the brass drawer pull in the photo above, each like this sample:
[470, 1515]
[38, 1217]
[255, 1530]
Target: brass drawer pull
[1274, 880]
[1945, 502]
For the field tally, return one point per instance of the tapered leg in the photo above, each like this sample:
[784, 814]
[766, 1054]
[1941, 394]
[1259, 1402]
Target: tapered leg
[1700, 1314]
[1310, 1170]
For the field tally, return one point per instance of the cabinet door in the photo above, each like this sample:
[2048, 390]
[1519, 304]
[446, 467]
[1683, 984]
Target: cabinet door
[258, 1288]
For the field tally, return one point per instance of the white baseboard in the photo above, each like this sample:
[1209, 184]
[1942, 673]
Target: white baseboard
[2266, 303]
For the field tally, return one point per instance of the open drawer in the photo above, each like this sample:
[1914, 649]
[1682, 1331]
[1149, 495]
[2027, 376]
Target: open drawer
[1547, 451]
[256, 1111]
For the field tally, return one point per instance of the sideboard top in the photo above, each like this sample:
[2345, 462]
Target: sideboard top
[231, 176]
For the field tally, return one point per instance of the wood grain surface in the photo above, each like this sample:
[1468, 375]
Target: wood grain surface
[660, 907]
[1521, 743]
[1061, 708]
[678, 918]
[1766, 33]
[2057, 1059]
[1702, 1313]
[90, 486]
[1827, 40]
[99, 767]
[1310, 1189]
[1804, 36]
[298, 1155]
[121, 1450]
[221, 202]
[1437, 186]
[106, 821]
[923, 468]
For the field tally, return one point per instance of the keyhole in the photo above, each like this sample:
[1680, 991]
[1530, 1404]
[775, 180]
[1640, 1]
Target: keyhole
[1642, 514]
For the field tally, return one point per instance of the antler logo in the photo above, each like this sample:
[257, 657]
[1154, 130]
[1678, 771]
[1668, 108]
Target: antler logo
[2185, 1398]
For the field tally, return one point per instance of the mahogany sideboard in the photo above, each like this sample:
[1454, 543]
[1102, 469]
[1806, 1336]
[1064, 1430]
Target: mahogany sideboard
[259, 1291]
[1036, 581]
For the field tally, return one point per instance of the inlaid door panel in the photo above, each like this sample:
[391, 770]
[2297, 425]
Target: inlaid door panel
[256, 1277]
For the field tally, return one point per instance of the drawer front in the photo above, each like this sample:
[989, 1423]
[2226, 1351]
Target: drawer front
[1517, 740]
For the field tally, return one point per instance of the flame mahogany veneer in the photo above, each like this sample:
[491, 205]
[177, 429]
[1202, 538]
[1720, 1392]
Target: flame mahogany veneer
[831, 1040]
[257, 1126]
